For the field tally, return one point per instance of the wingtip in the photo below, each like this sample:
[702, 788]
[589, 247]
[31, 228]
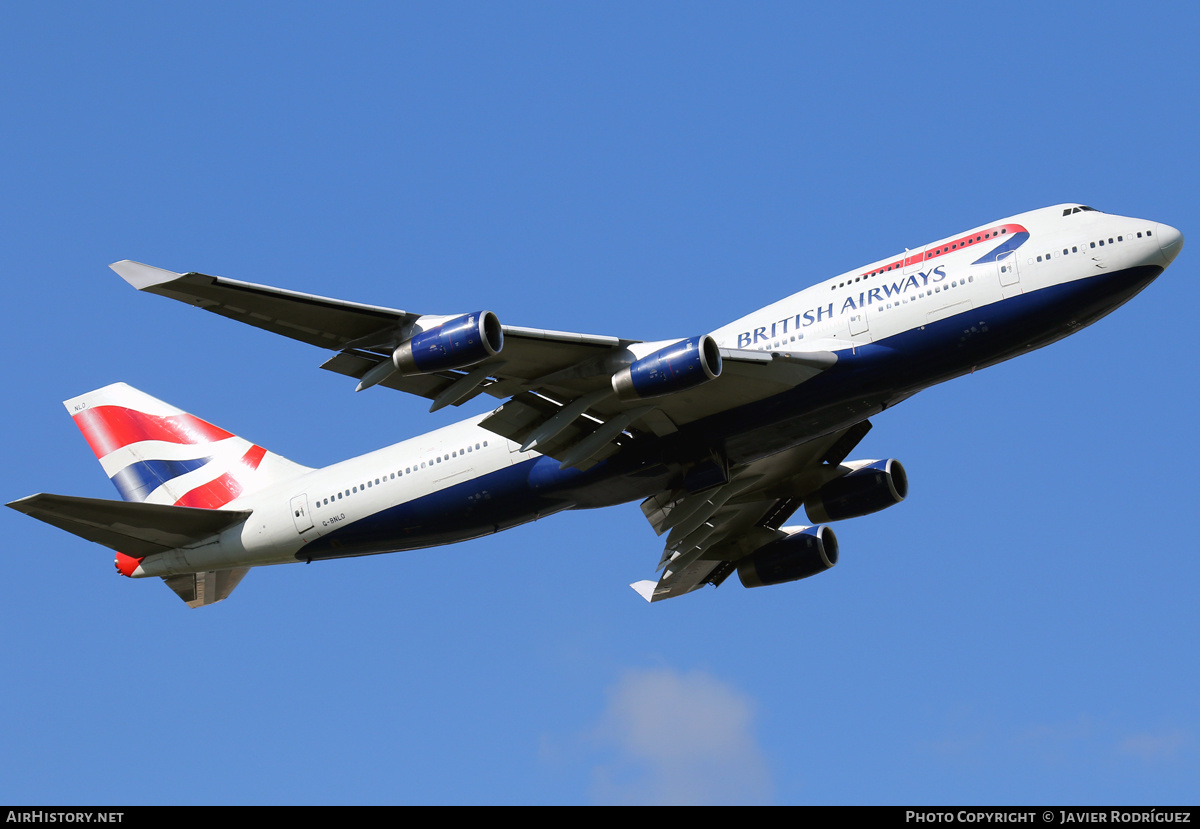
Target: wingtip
[645, 589]
[142, 276]
[21, 504]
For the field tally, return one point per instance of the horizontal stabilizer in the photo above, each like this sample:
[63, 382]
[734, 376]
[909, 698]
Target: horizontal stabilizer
[136, 529]
[200, 589]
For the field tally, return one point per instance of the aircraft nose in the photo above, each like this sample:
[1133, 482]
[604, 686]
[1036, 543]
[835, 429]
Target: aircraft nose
[1170, 242]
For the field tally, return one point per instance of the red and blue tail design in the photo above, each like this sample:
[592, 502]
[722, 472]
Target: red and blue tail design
[156, 453]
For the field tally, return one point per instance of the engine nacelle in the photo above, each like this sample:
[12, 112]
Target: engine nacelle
[872, 486]
[805, 552]
[680, 366]
[461, 342]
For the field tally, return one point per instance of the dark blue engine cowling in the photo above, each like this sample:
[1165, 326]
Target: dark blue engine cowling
[868, 489]
[802, 554]
[461, 342]
[682, 365]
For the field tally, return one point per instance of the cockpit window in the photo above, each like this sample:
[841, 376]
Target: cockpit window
[1080, 209]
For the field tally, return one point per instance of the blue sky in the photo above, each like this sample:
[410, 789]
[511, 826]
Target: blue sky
[1022, 629]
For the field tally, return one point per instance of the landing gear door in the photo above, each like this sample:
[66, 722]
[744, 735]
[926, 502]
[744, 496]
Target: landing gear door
[300, 514]
[1010, 276]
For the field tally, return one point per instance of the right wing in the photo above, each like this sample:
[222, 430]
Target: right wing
[710, 531]
[558, 386]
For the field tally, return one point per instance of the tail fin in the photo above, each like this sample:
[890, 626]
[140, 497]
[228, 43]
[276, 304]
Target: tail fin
[158, 454]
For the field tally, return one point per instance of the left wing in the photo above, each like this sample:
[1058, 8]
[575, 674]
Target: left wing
[563, 392]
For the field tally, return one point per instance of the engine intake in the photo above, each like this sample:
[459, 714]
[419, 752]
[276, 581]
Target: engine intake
[805, 552]
[871, 487]
[680, 366]
[461, 342]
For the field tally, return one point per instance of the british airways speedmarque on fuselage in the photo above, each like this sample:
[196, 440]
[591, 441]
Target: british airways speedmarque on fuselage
[722, 436]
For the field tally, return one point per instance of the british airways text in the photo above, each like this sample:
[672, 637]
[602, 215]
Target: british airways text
[879, 293]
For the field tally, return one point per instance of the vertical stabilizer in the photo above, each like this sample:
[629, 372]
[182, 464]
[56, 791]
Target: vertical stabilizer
[158, 454]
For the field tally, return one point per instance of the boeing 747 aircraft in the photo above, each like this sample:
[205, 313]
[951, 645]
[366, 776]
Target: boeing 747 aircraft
[721, 436]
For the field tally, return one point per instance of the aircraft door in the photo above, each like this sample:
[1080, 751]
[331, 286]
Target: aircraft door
[300, 514]
[859, 326]
[913, 259]
[1010, 275]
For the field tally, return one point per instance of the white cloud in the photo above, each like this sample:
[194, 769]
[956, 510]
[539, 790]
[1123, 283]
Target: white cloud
[1149, 747]
[679, 739]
